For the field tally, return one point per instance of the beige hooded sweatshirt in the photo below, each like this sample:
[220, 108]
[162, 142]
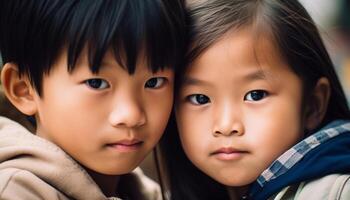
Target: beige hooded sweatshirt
[33, 168]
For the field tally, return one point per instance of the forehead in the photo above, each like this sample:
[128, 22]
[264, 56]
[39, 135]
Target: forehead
[243, 52]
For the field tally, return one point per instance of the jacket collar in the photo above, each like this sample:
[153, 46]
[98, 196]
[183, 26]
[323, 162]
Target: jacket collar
[324, 152]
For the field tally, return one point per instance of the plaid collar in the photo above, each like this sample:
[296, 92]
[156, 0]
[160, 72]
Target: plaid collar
[298, 151]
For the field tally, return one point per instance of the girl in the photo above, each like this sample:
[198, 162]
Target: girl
[260, 111]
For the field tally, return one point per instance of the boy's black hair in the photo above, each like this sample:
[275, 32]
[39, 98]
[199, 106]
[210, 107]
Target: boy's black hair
[35, 32]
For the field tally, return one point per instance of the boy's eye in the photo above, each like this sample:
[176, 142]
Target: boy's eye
[198, 99]
[155, 83]
[97, 83]
[255, 95]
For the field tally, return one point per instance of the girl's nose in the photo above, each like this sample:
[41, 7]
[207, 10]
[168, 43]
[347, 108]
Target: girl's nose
[236, 128]
[228, 122]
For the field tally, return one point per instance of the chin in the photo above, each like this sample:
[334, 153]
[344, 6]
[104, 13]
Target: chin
[234, 181]
[119, 171]
[115, 170]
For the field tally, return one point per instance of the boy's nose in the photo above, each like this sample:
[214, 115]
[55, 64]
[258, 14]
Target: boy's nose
[127, 113]
[227, 122]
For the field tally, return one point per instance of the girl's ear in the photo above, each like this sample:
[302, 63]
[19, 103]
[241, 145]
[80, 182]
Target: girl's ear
[318, 104]
[18, 89]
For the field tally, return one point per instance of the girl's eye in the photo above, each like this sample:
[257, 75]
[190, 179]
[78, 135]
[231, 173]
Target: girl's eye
[97, 83]
[155, 83]
[198, 99]
[255, 95]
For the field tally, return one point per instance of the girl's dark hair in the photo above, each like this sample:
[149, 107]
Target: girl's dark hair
[294, 34]
[35, 32]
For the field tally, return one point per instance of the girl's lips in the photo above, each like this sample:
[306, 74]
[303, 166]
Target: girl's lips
[227, 154]
[227, 150]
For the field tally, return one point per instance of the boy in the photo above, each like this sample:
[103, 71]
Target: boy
[97, 78]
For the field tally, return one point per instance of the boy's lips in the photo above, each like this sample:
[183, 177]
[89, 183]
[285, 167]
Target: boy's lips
[126, 145]
[228, 153]
[127, 142]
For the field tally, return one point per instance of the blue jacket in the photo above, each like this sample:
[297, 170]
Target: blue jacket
[323, 153]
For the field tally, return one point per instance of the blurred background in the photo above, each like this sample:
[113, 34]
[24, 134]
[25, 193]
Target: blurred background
[333, 20]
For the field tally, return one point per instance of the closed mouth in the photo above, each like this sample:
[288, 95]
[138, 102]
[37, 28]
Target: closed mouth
[227, 150]
[228, 154]
[126, 145]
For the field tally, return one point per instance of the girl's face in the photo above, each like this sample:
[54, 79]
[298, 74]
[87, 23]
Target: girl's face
[239, 109]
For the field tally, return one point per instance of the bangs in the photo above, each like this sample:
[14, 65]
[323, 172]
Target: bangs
[38, 31]
[130, 29]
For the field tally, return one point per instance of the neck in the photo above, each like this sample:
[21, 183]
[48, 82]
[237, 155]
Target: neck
[107, 183]
[236, 193]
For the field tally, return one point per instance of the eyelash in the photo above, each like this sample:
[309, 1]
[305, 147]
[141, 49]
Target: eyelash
[195, 97]
[162, 81]
[95, 83]
[100, 84]
[201, 99]
[256, 95]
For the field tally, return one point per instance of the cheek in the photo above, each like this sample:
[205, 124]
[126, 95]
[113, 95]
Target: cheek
[186, 127]
[287, 119]
[193, 133]
[278, 132]
[158, 110]
[64, 114]
[77, 110]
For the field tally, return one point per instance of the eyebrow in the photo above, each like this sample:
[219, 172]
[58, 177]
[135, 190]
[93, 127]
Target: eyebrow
[194, 81]
[256, 75]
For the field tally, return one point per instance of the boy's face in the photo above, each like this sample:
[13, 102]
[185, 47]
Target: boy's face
[108, 121]
[237, 115]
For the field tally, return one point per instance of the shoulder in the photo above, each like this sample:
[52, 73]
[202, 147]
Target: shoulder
[21, 184]
[334, 186]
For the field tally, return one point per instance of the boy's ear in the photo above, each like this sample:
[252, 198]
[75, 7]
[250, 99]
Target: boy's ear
[318, 104]
[18, 89]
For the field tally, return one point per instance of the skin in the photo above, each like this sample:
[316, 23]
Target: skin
[239, 109]
[108, 121]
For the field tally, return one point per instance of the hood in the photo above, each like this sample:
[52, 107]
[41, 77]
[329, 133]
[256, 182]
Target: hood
[21, 149]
